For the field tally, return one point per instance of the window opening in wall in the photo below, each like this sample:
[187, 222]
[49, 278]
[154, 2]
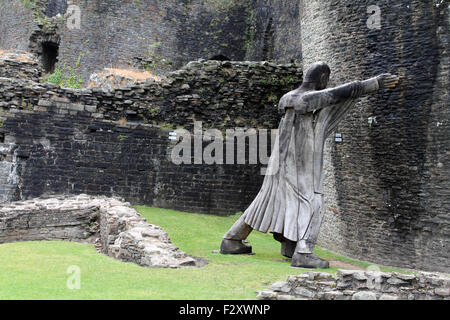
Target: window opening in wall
[49, 56]
[269, 41]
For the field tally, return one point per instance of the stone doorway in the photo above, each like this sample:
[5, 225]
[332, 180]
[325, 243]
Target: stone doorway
[49, 56]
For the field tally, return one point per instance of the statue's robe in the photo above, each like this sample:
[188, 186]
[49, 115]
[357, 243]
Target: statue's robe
[290, 200]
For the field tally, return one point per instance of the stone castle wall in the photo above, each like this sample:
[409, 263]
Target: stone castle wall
[16, 25]
[275, 31]
[19, 65]
[116, 143]
[158, 36]
[387, 184]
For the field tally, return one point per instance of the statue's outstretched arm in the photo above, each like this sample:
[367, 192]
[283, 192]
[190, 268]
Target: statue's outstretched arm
[332, 116]
[316, 100]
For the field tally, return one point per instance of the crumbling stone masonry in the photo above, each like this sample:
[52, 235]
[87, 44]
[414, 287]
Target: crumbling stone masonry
[116, 143]
[153, 35]
[113, 225]
[19, 65]
[360, 285]
[158, 36]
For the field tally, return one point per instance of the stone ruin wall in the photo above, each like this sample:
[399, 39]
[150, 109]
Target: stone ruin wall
[16, 25]
[116, 143]
[20, 65]
[360, 285]
[112, 225]
[158, 36]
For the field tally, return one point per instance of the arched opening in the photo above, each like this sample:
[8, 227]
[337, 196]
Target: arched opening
[49, 56]
[269, 41]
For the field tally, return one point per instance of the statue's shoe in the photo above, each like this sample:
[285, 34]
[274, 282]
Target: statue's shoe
[235, 247]
[288, 248]
[308, 260]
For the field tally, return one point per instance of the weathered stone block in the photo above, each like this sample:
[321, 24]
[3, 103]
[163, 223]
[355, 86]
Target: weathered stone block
[115, 226]
[444, 292]
[364, 295]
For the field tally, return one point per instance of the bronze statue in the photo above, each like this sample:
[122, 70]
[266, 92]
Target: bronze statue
[290, 200]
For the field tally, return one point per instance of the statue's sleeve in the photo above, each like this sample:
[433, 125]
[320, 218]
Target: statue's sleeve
[332, 116]
[316, 100]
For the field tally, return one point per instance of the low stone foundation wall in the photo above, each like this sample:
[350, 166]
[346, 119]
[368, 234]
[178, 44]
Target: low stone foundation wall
[360, 285]
[114, 226]
[49, 219]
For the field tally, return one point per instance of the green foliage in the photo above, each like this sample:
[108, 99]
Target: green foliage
[290, 80]
[144, 118]
[157, 60]
[66, 76]
[168, 126]
[273, 98]
[55, 77]
[43, 19]
[72, 80]
[154, 111]
[155, 44]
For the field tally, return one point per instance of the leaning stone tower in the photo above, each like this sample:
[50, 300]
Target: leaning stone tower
[387, 186]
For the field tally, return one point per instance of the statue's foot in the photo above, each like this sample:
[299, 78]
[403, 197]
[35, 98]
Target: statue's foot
[308, 260]
[235, 247]
[288, 248]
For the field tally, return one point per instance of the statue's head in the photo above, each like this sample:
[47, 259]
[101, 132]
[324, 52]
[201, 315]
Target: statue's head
[318, 75]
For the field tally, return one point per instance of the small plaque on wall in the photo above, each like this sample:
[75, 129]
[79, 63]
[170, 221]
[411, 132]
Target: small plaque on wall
[173, 136]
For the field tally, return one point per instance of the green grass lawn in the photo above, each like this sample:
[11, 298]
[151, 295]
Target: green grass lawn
[38, 270]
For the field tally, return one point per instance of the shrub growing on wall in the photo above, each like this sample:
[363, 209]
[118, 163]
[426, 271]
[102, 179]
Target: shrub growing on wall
[65, 77]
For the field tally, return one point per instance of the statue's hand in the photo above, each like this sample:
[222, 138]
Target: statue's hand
[387, 80]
